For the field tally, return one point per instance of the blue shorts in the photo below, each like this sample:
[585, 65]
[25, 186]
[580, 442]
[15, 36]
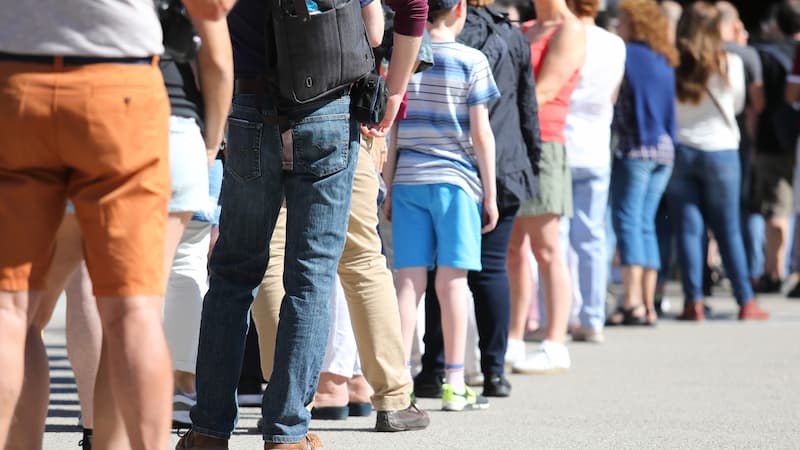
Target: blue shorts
[435, 223]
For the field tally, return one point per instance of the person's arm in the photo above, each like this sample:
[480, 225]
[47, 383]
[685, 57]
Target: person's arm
[793, 80]
[374, 22]
[409, 24]
[736, 78]
[527, 106]
[389, 168]
[567, 50]
[483, 143]
[208, 9]
[215, 64]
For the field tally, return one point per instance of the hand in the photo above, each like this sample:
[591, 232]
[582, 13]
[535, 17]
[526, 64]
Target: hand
[387, 207]
[490, 215]
[392, 106]
[208, 9]
[379, 153]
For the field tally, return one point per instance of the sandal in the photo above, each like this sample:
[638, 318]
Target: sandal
[627, 316]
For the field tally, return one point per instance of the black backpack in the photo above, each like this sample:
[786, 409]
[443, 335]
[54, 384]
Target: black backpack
[316, 53]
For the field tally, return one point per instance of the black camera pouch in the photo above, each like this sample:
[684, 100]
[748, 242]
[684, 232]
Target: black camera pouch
[368, 99]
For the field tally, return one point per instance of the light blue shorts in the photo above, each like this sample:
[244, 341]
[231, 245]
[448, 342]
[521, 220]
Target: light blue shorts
[435, 223]
[188, 167]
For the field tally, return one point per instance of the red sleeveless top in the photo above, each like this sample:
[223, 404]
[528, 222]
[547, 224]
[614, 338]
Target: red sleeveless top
[553, 114]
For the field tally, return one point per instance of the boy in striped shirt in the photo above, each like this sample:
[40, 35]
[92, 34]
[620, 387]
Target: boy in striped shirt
[441, 178]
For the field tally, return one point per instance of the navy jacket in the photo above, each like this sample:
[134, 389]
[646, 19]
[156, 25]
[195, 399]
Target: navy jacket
[514, 116]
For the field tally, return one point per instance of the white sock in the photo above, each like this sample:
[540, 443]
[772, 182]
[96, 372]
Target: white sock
[454, 375]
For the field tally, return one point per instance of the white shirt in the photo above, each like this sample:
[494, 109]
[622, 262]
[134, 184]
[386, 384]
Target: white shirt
[703, 126]
[588, 128]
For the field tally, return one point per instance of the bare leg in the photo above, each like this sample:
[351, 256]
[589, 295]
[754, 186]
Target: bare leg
[632, 284]
[777, 231]
[176, 224]
[359, 391]
[519, 276]
[31, 411]
[109, 427]
[84, 339]
[13, 328]
[451, 288]
[649, 280]
[545, 234]
[331, 391]
[135, 353]
[411, 283]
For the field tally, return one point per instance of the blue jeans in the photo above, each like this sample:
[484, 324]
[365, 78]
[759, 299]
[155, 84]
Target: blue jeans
[317, 192]
[636, 189]
[585, 235]
[705, 187]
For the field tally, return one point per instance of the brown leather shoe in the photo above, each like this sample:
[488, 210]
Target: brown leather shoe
[195, 441]
[311, 442]
[751, 311]
[692, 311]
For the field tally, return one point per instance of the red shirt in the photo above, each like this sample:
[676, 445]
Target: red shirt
[553, 114]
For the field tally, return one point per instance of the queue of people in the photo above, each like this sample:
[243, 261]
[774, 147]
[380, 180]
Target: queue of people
[507, 144]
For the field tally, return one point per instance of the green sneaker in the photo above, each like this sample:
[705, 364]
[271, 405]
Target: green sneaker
[459, 401]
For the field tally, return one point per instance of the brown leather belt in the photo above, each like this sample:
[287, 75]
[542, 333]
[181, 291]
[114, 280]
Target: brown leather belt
[250, 86]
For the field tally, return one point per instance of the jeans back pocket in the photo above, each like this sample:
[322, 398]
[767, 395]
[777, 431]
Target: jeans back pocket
[244, 149]
[322, 143]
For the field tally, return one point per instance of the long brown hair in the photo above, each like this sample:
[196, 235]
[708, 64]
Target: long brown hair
[701, 51]
[650, 27]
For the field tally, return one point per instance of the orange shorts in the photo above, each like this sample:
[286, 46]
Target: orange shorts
[98, 135]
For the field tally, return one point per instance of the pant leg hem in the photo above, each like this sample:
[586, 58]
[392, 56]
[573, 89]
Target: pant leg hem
[394, 403]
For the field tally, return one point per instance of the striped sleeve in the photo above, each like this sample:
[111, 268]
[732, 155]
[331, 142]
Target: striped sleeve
[482, 88]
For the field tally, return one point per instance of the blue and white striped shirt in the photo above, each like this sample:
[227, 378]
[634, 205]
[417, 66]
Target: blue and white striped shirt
[434, 138]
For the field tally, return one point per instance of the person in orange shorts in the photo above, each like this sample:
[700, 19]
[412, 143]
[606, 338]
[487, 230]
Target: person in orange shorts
[84, 115]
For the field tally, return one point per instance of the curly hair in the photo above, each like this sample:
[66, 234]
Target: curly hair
[650, 26]
[701, 51]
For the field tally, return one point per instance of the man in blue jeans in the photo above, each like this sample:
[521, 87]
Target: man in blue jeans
[313, 173]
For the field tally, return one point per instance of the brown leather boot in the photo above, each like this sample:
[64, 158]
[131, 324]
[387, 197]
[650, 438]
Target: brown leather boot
[692, 311]
[195, 441]
[311, 442]
[751, 311]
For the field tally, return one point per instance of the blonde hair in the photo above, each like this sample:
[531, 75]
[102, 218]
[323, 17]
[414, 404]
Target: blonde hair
[701, 51]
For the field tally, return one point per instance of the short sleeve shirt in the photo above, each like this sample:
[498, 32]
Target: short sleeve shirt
[434, 139]
[100, 28]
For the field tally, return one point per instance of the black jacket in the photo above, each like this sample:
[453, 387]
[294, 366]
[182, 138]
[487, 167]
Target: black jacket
[514, 116]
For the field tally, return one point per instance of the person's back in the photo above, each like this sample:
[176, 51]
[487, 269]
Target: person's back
[103, 28]
[710, 123]
[434, 139]
[513, 117]
[591, 110]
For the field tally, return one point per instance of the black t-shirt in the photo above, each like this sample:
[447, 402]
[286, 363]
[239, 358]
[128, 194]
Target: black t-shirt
[776, 60]
[184, 96]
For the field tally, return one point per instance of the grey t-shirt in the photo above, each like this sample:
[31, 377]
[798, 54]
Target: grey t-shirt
[752, 62]
[103, 28]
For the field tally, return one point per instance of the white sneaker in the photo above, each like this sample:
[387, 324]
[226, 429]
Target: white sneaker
[474, 379]
[550, 357]
[181, 404]
[514, 352]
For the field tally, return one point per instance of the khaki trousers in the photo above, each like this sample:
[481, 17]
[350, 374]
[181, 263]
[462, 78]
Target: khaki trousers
[369, 289]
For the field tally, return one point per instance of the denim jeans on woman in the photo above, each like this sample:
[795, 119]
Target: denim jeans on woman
[583, 238]
[636, 188]
[704, 190]
[317, 192]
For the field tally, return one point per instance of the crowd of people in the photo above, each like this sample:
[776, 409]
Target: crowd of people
[526, 155]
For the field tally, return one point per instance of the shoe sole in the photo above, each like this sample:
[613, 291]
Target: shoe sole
[554, 371]
[456, 407]
[387, 428]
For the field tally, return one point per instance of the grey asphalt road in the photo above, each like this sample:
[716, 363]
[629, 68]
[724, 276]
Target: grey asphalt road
[718, 384]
